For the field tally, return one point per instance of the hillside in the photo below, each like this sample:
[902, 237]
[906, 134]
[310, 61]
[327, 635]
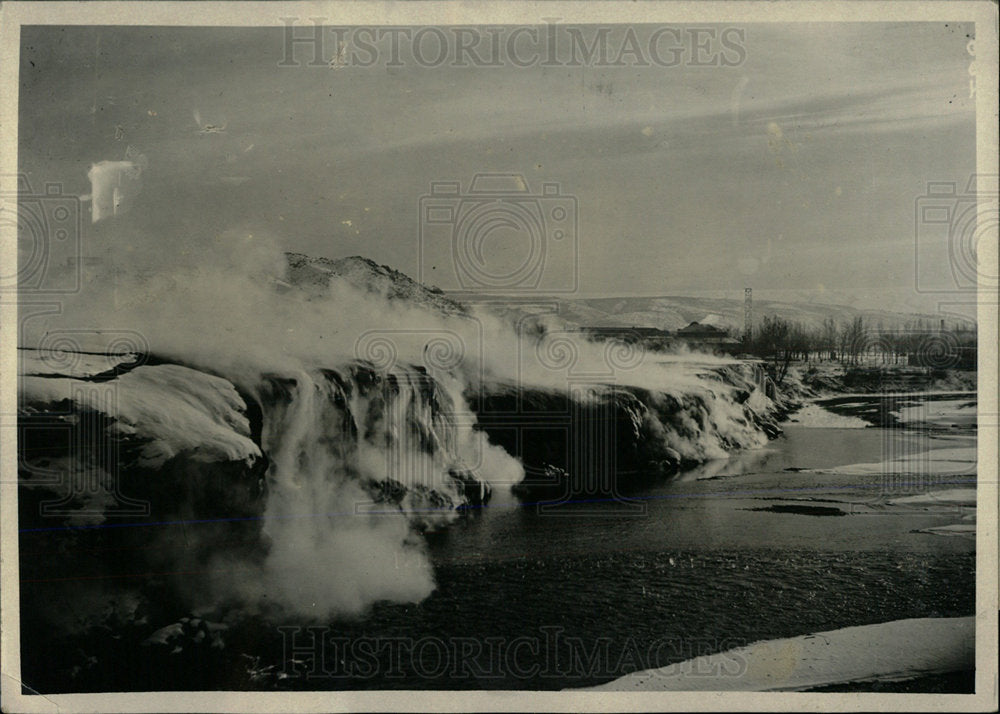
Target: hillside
[308, 271]
[673, 312]
[663, 312]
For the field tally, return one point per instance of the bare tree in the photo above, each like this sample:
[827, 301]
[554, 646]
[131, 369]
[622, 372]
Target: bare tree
[773, 342]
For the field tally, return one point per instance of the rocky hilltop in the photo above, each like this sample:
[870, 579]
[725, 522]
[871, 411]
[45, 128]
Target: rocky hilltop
[310, 272]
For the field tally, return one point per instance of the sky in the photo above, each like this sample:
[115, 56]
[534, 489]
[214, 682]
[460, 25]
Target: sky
[797, 169]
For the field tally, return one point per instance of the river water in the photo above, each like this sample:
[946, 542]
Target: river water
[750, 548]
[762, 545]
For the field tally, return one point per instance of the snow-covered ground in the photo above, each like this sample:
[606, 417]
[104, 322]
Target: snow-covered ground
[954, 529]
[927, 465]
[169, 408]
[69, 363]
[815, 416]
[958, 501]
[895, 395]
[890, 651]
[947, 412]
[937, 462]
[951, 496]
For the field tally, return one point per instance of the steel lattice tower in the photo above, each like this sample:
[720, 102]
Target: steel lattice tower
[748, 314]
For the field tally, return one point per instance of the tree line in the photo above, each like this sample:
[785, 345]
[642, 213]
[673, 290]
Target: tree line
[855, 342]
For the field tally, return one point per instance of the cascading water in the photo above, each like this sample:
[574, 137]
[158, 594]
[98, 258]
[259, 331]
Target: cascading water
[360, 462]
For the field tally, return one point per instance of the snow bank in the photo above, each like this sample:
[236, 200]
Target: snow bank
[940, 462]
[173, 408]
[950, 497]
[950, 412]
[890, 651]
[956, 529]
[70, 363]
[955, 501]
[958, 503]
[815, 416]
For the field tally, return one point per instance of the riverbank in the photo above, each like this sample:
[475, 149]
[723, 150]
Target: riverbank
[831, 378]
[887, 652]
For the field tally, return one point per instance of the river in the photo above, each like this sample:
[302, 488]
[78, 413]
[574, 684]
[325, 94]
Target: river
[771, 543]
[735, 551]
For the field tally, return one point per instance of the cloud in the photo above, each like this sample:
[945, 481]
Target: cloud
[650, 159]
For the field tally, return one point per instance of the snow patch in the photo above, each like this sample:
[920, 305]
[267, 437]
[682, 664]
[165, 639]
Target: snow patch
[956, 529]
[890, 651]
[816, 417]
[941, 413]
[70, 363]
[175, 409]
[951, 497]
[960, 460]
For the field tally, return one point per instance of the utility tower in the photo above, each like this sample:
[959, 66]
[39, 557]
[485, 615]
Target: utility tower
[748, 315]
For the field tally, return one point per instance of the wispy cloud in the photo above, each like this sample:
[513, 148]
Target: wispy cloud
[820, 142]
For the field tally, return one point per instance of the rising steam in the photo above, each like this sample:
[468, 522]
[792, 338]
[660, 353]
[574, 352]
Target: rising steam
[359, 392]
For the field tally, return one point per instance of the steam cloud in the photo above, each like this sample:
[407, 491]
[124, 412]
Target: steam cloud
[224, 309]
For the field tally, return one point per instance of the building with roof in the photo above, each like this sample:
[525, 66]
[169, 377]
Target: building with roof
[697, 334]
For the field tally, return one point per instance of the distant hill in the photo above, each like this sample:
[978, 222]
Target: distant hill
[665, 313]
[307, 271]
[674, 312]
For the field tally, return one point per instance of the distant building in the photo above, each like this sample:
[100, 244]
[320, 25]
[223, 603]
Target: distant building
[649, 337]
[710, 336]
[696, 334]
